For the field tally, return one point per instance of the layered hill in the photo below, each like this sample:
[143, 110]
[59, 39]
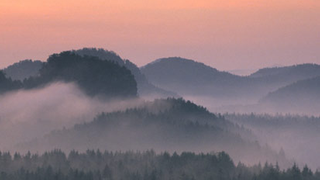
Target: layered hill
[302, 71]
[145, 88]
[301, 96]
[23, 69]
[296, 135]
[28, 68]
[162, 125]
[7, 84]
[93, 75]
[282, 76]
[199, 81]
[188, 77]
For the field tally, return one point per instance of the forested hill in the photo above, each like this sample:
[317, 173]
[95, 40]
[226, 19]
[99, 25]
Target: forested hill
[147, 165]
[193, 79]
[291, 73]
[7, 84]
[300, 97]
[185, 76]
[101, 54]
[278, 77]
[196, 80]
[145, 88]
[179, 70]
[164, 125]
[304, 91]
[23, 69]
[291, 132]
[94, 76]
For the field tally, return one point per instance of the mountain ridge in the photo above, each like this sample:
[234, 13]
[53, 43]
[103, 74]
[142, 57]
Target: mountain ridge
[145, 88]
[23, 69]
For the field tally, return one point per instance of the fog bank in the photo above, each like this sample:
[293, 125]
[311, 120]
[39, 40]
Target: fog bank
[28, 114]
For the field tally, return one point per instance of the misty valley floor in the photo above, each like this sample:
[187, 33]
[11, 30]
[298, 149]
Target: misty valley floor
[88, 114]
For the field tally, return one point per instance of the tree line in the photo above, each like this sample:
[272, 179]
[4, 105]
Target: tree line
[94, 76]
[147, 165]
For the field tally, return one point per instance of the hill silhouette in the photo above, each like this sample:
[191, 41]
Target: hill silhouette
[205, 85]
[7, 84]
[278, 77]
[23, 69]
[163, 125]
[301, 96]
[188, 77]
[94, 76]
[145, 88]
[302, 71]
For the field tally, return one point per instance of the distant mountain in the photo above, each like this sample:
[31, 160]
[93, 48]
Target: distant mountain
[7, 84]
[188, 77]
[271, 79]
[288, 74]
[23, 69]
[163, 125]
[269, 71]
[145, 88]
[206, 84]
[302, 96]
[93, 75]
[291, 89]
[242, 72]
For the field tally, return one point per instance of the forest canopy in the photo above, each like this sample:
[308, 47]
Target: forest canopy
[93, 75]
[146, 165]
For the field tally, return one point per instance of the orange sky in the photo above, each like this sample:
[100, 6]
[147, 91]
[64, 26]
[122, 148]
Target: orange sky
[226, 34]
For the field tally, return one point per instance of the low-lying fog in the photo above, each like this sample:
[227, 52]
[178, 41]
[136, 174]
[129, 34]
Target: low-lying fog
[28, 114]
[293, 127]
[309, 106]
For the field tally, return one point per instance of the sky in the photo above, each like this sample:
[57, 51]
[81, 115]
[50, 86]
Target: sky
[225, 34]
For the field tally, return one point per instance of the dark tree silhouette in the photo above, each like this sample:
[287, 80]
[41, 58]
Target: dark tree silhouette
[96, 77]
[6, 84]
[95, 165]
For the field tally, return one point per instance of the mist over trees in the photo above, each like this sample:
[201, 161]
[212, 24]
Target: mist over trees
[146, 165]
[230, 92]
[297, 136]
[163, 125]
[94, 76]
[28, 68]
[225, 92]
[302, 97]
[93, 99]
